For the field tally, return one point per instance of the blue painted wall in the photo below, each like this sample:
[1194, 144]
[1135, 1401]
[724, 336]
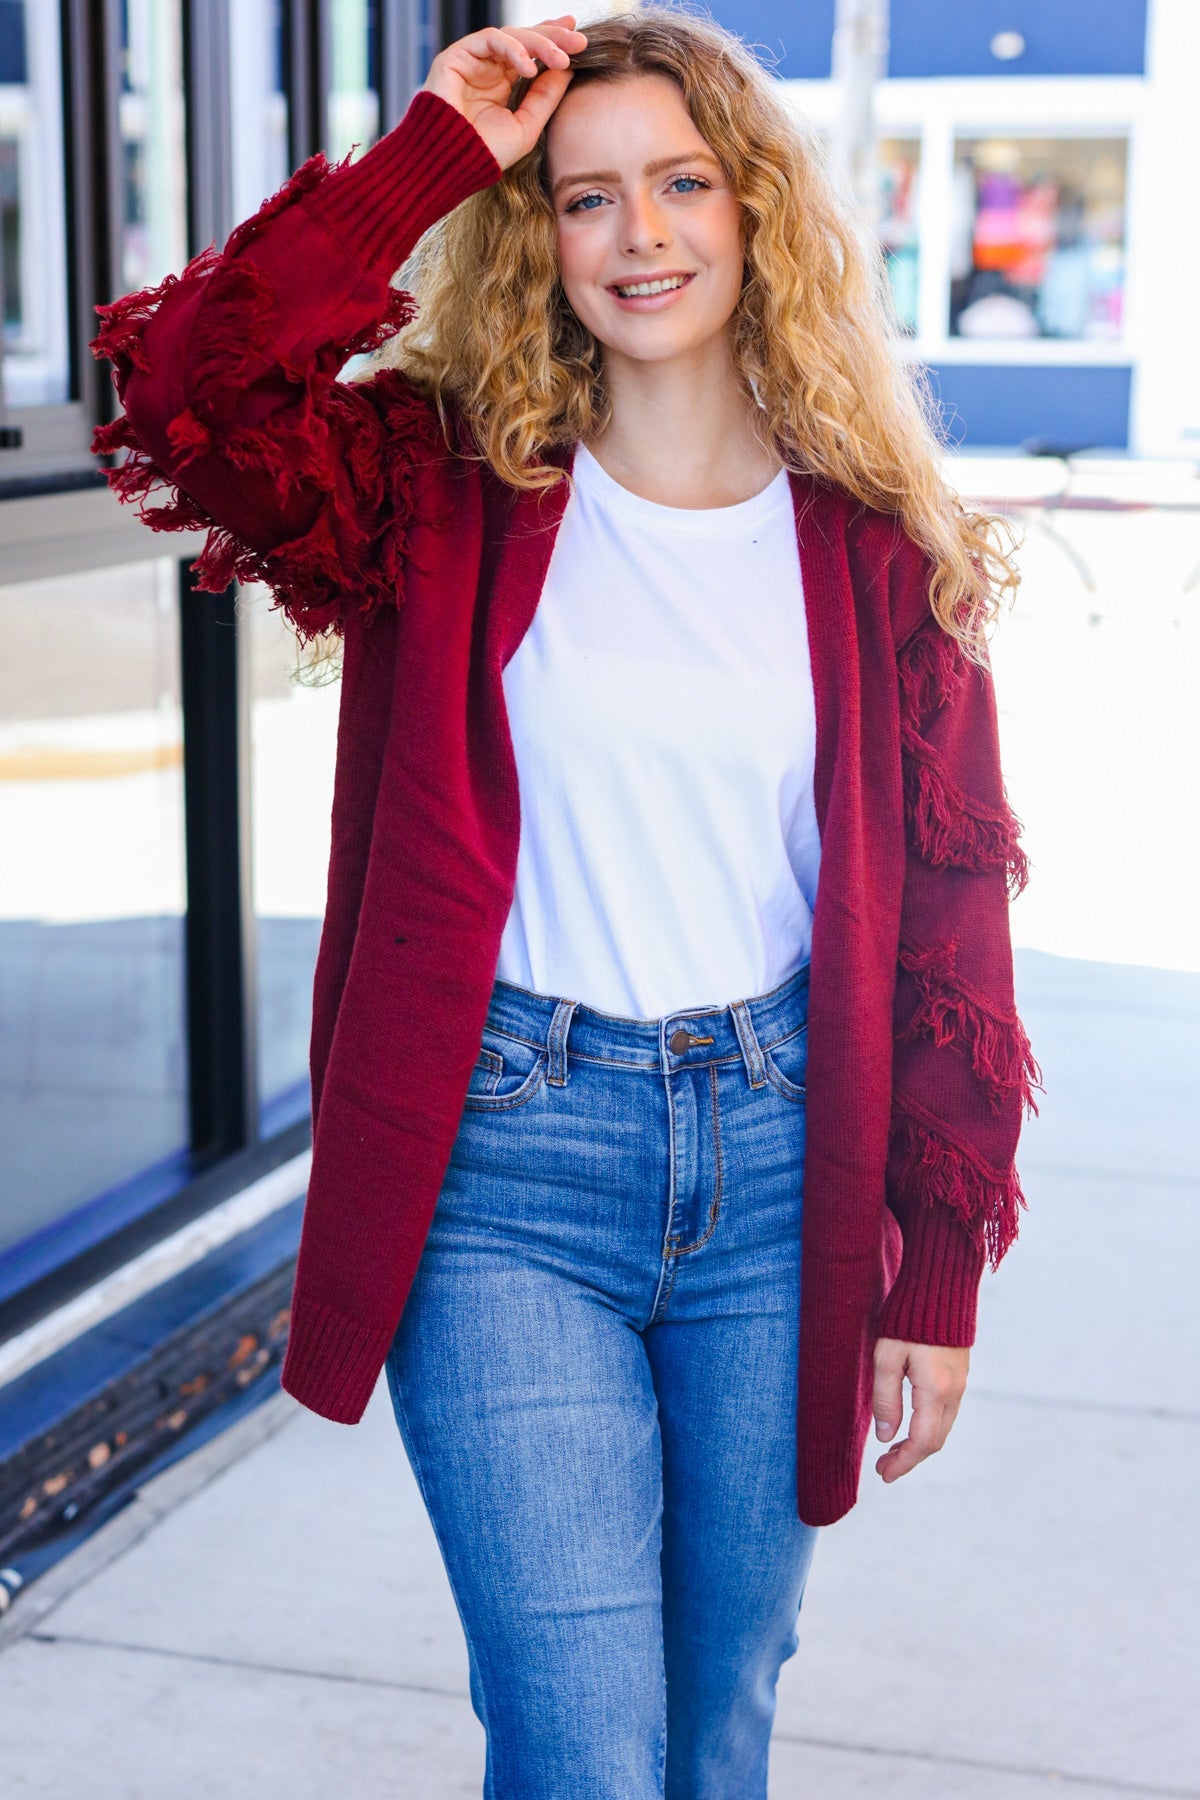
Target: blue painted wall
[12, 41]
[797, 34]
[948, 37]
[1062, 37]
[1006, 407]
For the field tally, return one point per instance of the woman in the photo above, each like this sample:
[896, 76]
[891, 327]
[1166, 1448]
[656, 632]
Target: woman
[666, 1074]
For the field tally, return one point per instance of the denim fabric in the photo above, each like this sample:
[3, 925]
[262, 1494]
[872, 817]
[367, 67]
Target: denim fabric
[595, 1382]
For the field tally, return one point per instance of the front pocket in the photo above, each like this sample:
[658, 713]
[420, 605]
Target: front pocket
[787, 1065]
[508, 1072]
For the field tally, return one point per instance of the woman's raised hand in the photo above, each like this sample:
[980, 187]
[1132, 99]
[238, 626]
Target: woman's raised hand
[477, 74]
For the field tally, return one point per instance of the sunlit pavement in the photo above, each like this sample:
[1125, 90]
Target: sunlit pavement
[1019, 1616]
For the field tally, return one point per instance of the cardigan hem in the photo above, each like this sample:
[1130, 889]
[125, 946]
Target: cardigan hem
[823, 1494]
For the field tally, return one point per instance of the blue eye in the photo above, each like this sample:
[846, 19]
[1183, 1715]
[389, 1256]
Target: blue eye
[580, 205]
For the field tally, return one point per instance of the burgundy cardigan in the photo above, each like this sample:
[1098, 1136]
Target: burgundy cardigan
[346, 498]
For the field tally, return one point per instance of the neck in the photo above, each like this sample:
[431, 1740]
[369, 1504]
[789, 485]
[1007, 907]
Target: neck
[682, 432]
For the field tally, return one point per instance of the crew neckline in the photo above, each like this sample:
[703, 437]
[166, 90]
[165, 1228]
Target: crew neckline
[595, 478]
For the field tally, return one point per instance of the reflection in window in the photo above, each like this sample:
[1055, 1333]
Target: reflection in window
[33, 279]
[92, 1062]
[354, 86]
[898, 164]
[1039, 238]
[293, 732]
[154, 228]
[261, 158]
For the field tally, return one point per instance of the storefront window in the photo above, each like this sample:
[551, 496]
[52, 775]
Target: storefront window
[293, 736]
[154, 233]
[1038, 238]
[261, 158]
[899, 165]
[92, 1059]
[354, 89]
[34, 368]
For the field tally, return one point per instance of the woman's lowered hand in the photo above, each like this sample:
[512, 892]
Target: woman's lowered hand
[938, 1376]
[477, 73]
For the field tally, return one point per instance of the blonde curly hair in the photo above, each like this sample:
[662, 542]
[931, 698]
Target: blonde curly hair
[815, 334]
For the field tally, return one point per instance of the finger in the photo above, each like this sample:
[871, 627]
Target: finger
[887, 1400]
[492, 46]
[925, 1435]
[540, 100]
[950, 1413]
[563, 26]
[541, 44]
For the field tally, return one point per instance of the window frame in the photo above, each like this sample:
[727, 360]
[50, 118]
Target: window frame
[233, 1138]
[937, 113]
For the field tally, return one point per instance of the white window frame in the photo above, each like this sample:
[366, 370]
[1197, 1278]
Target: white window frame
[937, 113]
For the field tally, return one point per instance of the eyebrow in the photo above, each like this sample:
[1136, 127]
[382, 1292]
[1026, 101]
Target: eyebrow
[651, 168]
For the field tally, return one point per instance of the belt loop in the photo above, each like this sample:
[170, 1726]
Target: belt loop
[556, 1042]
[743, 1024]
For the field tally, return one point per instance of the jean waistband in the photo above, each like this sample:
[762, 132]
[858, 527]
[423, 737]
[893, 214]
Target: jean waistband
[690, 1037]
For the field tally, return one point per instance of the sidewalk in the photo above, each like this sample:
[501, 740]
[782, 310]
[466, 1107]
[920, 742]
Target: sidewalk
[1016, 1619]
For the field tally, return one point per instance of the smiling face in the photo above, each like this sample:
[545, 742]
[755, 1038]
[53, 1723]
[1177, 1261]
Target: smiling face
[640, 198]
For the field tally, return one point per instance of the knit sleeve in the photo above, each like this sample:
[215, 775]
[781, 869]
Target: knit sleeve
[963, 1067]
[235, 420]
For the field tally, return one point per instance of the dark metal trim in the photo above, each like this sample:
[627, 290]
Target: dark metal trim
[33, 487]
[300, 46]
[458, 17]
[106, 50]
[220, 937]
[88, 194]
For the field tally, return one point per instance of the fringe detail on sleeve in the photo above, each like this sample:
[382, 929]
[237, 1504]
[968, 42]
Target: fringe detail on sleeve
[953, 1011]
[358, 542]
[950, 829]
[938, 1171]
[930, 666]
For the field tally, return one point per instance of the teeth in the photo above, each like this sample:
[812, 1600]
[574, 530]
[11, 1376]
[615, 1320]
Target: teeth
[653, 287]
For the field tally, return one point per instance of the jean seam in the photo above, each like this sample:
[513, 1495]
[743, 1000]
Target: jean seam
[415, 1461]
[666, 1261]
[718, 1179]
[780, 1082]
[532, 1084]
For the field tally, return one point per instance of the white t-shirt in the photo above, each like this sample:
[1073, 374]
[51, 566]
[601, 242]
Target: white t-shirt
[662, 716]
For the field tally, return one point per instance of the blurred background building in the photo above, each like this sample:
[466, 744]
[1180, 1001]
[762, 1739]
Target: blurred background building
[1036, 205]
[165, 785]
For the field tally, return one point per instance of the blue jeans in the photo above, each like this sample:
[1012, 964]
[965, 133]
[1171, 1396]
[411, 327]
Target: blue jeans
[595, 1382]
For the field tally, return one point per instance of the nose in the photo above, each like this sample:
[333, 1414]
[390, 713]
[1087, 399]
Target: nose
[645, 228]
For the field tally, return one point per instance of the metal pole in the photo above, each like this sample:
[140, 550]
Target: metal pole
[860, 46]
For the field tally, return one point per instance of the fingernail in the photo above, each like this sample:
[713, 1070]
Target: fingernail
[883, 1431]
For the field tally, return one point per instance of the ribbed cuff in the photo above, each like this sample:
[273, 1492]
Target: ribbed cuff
[935, 1297]
[332, 1362]
[379, 206]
